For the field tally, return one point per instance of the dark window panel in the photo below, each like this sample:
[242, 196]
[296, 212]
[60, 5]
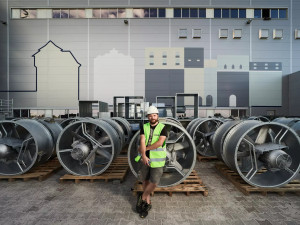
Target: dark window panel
[146, 13]
[162, 12]
[153, 12]
[257, 13]
[177, 12]
[242, 13]
[265, 13]
[194, 13]
[217, 13]
[225, 13]
[202, 13]
[282, 13]
[274, 13]
[185, 13]
[234, 13]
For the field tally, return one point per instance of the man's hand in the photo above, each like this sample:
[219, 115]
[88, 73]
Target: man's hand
[145, 160]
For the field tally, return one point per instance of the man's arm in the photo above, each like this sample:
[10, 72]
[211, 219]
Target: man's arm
[156, 144]
[142, 150]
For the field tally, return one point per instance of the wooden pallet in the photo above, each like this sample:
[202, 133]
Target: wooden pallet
[246, 189]
[116, 171]
[124, 150]
[40, 172]
[202, 158]
[192, 184]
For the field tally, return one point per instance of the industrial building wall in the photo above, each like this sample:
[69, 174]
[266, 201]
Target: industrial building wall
[294, 103]
[152, 48]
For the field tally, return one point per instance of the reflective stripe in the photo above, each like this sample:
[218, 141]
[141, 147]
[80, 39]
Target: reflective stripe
[158, 160]
[158, 150]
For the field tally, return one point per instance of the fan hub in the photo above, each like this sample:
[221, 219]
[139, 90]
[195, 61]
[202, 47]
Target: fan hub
[80, 150]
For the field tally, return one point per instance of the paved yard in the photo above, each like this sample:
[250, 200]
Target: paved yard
[51, 202]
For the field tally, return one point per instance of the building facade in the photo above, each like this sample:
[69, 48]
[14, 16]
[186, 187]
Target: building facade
[234, 53]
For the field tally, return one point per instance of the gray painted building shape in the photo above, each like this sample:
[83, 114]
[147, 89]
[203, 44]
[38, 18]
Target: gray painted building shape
[193, 57]
[233, 83]
[163, 83]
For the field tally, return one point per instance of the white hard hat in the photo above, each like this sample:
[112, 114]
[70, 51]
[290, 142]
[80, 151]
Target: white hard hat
[152, 109]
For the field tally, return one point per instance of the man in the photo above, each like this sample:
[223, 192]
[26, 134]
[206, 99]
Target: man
[152, 156]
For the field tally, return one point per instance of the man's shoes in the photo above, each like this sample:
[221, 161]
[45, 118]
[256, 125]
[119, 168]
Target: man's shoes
[145, 209]
[139, 203]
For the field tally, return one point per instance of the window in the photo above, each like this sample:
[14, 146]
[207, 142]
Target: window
[217, 13]
[73, 13]
[232, 67]
[28, 13]
[282, 13]
[234, 13]
[196, 33]
[153, 13]
[65, 13]
[182, 33]
[151, 55]
[194, 13]
[266, 13]
[96, 13]
[237, 33]
[257, 13]
[177, 12]
[140, 13]
[177, 55]
[121, 13]
[185, 13]
[263, 33]
[164, 54]
[241, 67]
[161, 13]
[223, 33]
[177, 63]
[225, 67]
[277, 34]
[56, 13]
[104, 13]
[202, 13]
[274, 13]
[112, 13]
[242, 13]
[297, 34]
[164, 62]
[225, 13]
[151, 62]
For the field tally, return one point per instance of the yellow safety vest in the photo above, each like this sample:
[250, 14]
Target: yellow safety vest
[158, 155]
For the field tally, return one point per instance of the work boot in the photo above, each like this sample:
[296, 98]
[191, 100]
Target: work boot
[145, 209]
[139, 203]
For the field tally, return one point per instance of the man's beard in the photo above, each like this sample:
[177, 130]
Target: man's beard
[153, 121]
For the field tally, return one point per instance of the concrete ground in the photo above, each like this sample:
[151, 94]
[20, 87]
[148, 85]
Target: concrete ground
[51, 202]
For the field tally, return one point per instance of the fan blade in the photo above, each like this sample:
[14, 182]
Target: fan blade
[262, 135]
[180, 146]
[206, 127]
[104, 153]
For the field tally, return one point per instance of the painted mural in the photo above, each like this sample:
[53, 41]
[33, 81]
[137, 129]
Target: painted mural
[230, 80]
